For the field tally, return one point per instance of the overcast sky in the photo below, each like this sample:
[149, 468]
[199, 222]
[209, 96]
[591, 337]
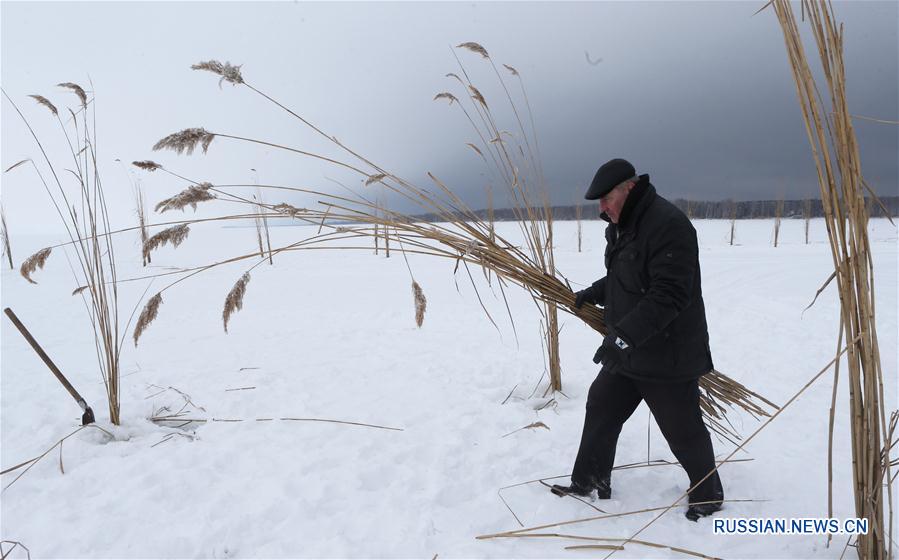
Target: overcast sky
[698, 95]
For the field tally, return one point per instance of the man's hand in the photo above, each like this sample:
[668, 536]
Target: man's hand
[612, 352]
[584, 296]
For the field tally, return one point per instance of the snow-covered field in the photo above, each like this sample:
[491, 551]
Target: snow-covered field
[331, 335]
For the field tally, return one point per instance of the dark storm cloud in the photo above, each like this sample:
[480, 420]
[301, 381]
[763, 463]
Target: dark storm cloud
[698, 95]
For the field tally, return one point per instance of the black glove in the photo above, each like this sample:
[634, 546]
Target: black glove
[612, 352]
[584, 296]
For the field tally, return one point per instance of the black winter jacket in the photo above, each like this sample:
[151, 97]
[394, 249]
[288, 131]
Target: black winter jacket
[652, 292]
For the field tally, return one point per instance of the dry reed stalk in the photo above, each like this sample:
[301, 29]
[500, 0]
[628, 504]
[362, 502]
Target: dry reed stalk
[807, 215]
[4, 235]
[258, 225]
[778, 214]
[375, 238]
[5, 553]
[141, 206]
[234, 301]
[491, 215]
[836, 153]
[32, 462]
[170, 418]
[421, 303]
[17, 164]
[264, 219]
[733, 221]
[174, 235]
[89, 234]
[33, 263]
[532, 425]
[601, 539]
[578, 210]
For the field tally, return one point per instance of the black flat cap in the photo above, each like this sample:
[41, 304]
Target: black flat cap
[612, 173]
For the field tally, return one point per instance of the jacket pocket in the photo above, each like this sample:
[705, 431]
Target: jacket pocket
[629, 272]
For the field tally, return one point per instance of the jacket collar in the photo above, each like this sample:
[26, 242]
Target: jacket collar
[641, 196]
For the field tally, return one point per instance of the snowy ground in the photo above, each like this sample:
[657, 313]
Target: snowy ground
[331, 335]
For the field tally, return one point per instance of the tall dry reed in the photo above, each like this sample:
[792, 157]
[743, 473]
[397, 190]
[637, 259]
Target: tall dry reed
[84, 215]
[831, 135]
[778, 217]
[4, 237]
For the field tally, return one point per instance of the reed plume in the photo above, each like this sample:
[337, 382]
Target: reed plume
[446, 95]
[228, 72]
[186, 141]
[79, 91]
[147, 316]
[46, 103]
[474, 47]
[188, 197]
[174, 235]
[146, 165]
[234, 301]
[421, 303]
[476, 95]
[33, 263]
[141, 210]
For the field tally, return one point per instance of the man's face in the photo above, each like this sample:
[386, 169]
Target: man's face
[613, 201]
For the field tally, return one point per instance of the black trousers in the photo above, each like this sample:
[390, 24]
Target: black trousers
[611, 401]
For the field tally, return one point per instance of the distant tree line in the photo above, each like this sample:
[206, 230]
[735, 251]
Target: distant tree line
[705, 209]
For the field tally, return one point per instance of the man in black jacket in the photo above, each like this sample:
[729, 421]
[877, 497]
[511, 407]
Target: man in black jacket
[657, 347]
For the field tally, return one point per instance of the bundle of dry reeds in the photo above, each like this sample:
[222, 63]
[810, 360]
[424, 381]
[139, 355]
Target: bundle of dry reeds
[459, 235]
[836, 154]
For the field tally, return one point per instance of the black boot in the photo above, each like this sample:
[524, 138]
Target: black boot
[702, 510]
[575, 489]
[602, 486]
[708, 502]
